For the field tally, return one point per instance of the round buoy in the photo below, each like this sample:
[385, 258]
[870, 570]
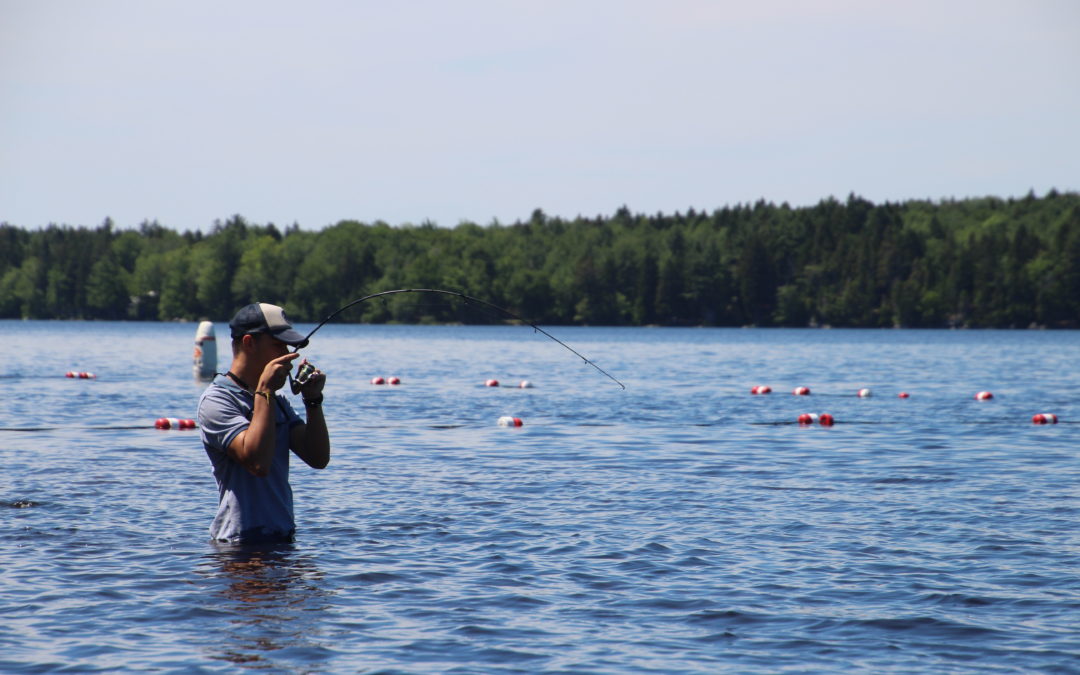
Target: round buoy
[491, 383]
[801, 391]
[865, 393]
[1045, 418]
[983, 396]
[79, 375]
[393, 380]
[507, 421]
[525, 384]
[826, 420]
[378, 380]
[903, 394]
[173, 423]
[806, 419]
[761, 389]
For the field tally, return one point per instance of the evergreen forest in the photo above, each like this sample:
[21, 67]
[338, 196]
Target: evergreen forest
[978, 263]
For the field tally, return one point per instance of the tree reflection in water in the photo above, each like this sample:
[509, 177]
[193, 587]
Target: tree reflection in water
[273, 600]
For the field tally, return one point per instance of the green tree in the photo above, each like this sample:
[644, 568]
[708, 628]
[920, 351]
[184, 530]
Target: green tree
[27, 288]
[757, 284]
[262, 272]
[106, 289]
[178, 298]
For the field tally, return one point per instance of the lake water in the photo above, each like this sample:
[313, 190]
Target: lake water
[681, 525]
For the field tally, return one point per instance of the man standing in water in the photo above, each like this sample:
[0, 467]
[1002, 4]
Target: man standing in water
[248, 429]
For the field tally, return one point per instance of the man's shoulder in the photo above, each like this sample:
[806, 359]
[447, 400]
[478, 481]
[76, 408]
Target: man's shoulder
[222, 414]
[212, 391]
[217, 396]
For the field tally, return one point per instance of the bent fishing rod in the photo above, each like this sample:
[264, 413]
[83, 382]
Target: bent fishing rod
[467, 299]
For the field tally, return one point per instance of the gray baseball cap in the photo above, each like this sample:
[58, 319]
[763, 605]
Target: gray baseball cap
[260, 317]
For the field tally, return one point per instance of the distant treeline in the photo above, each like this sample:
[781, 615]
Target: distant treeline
[957, 263]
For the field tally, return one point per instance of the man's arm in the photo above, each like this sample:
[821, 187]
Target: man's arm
[253, 448]
[311, 441]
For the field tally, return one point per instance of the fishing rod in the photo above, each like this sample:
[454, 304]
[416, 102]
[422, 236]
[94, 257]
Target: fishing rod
[467, 299]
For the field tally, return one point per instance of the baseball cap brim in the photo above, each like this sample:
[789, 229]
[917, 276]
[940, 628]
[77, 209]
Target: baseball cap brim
[290, 337]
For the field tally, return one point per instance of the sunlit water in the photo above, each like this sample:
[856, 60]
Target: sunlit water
[679, 526]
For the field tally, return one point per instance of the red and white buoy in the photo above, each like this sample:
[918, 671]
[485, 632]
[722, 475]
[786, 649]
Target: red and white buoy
[761, 389]
[491, 383]
[903, 394]
[173, 423]
[378, 380]
[801, 391]
[205, 359]
[824, 419]
[393, 380]
[525, 384]
[78, 375]
[865, 393]
[1044, 418]
[983, 396]
[507, 421]
[806, 419]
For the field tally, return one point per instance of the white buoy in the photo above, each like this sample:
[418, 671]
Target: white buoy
[205, 351]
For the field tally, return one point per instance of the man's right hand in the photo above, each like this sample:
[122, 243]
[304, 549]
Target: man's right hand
[276, 373]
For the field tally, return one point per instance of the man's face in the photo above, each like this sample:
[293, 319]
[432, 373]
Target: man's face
[268, 347]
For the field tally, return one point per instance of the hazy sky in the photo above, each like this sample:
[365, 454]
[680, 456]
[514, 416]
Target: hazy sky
[450, 110]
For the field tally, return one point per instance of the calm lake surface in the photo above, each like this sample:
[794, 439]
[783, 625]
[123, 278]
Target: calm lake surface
[680, 526]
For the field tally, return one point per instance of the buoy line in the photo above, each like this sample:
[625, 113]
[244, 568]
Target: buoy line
[174, 423]
[123, 427]
[441, 427]
[811, 418]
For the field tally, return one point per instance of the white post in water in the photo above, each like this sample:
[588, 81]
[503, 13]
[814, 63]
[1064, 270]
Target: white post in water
[205, 351]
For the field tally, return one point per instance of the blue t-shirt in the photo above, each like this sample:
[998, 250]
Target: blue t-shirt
[250, 508]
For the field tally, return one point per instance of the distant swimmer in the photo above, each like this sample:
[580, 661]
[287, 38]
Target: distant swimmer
[248, 428]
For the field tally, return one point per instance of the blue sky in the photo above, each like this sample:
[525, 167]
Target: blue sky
[483, 110]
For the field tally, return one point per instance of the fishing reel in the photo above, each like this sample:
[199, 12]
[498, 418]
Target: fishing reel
[303, 374]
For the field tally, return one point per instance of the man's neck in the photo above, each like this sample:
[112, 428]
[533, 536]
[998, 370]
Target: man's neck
[243, 375]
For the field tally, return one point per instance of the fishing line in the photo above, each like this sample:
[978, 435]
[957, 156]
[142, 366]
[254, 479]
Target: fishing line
[467, 299]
